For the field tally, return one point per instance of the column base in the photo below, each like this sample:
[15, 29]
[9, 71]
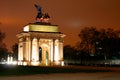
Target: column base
[35, 63]
[58, 63]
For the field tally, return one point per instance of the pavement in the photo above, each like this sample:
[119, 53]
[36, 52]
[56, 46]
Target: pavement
[67, 76]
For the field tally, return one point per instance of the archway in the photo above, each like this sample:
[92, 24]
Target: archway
[44, 54]
[40, 54]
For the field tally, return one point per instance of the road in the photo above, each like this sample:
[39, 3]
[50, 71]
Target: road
[67, 76]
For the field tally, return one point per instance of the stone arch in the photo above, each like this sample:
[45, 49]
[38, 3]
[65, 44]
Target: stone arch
[45, 53]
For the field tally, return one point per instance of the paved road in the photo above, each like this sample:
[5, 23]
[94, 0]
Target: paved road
[68, 76]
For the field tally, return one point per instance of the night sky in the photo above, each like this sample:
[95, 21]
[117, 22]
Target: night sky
[70, 15]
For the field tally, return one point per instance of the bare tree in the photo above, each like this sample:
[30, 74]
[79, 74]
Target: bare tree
[99, 42]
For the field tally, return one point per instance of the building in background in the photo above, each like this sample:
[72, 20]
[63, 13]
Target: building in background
[40, 43]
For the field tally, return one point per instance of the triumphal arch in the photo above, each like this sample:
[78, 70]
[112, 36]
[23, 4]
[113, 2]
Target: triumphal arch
[40, 43]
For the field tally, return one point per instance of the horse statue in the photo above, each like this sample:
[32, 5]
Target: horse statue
[40, 16]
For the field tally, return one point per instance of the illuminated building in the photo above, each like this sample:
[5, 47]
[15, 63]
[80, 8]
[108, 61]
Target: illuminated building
[40, 44]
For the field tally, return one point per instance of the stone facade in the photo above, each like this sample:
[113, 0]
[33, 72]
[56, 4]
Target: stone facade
[40, 48]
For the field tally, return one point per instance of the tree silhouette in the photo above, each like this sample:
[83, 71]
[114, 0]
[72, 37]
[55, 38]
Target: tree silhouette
[69, 52]
[110, 42]
[3, 49]
[71, 55]
[15, 51]
[88, 37]
[102, 42]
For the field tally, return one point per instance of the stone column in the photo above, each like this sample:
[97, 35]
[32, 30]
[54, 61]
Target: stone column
[56, 54]
[61, 51]
[51, 51]
[20, 51]
[26, 51]
[28, 48]
[35, 49]
[24, 48]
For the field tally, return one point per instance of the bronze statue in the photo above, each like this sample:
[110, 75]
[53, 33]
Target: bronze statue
[41, 17]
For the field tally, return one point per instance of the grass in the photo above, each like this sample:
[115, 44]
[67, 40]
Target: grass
[7, 70]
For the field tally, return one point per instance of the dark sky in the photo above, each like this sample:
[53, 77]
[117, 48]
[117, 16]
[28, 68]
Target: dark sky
[70, 15]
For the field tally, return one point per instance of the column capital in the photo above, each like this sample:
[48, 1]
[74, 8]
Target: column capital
[31, 38]
[24, 39]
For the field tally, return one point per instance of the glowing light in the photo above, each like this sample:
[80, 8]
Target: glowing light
[14, 62]
[20, 63]
[9, 60]
[35, 63]
[56, 54]
[26, 28]
[24, 63]
[62, 63]
[35, 50]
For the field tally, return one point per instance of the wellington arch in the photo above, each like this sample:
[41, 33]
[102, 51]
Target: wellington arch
[40, 43]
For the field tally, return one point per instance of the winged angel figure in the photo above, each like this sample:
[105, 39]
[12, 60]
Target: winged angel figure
[40, 16]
